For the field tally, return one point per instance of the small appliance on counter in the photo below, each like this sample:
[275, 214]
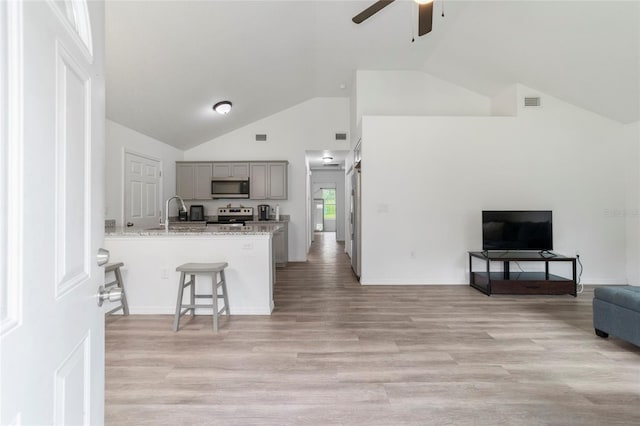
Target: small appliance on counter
[264, 212]
[196, 213]
[182, 215]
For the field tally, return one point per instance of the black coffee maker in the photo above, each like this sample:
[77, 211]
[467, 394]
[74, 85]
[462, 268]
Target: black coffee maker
[264, 212]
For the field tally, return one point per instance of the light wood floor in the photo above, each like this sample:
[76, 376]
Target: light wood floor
[334, 352]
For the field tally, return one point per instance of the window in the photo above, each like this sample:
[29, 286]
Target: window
[329, 196]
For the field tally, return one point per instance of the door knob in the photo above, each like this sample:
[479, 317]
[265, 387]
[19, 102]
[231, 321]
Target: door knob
[114, 294]
[102, 257]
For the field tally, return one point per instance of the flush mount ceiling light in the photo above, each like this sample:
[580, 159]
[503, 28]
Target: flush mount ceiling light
[222, 107]
[327, 159]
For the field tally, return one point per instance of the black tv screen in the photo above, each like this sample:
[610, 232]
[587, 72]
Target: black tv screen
[517, 230]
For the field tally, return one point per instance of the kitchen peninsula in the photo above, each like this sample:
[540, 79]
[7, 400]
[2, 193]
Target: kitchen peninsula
[151, 256]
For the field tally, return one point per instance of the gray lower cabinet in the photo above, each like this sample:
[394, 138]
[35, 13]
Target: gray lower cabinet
[280, 242]
[268, 180]
[193, 180]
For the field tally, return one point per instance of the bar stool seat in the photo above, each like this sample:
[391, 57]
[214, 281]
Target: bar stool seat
[193, 269]
[118, 282]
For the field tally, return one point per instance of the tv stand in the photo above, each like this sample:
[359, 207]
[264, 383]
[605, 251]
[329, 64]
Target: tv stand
[507, 282]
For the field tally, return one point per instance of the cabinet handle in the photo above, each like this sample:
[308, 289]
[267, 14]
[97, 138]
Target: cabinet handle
[129, 224]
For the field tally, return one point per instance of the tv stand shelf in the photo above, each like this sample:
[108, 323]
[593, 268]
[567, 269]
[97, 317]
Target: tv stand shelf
[509, 282]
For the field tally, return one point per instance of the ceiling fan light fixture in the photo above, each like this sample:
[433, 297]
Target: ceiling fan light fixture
[222, 107]
[425, 14]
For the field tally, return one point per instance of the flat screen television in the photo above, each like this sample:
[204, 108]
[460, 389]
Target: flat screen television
[517, 230]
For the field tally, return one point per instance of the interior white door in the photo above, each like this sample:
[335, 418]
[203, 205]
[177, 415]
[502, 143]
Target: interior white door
[318, 214]
[52, 337]
[142, 183]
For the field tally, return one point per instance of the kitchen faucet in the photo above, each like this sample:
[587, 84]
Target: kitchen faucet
[166, 211]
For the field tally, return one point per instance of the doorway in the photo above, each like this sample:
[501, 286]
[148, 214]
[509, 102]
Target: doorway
[324, 210]
[329, 209]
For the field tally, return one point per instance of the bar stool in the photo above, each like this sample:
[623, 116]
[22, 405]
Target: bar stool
[115, 268]
[194, 269]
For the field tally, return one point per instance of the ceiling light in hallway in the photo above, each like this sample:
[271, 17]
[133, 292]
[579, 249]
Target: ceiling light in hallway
[223, 107]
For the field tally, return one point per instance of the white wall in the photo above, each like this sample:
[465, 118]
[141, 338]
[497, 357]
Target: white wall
[333, 179]
[505, 102]
[120, 138]
[414, 93]
[443, 171]
[310, 125]
[354, 119]
[308, 206]
[632, 213]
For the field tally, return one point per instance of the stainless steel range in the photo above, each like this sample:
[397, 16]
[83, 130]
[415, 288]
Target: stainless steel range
[234, 215]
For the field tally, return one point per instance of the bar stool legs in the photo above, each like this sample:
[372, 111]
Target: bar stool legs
[119, 282]
[192, 269]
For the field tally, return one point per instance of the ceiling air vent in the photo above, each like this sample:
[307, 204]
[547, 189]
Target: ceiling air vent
[533, 101]
[261, 137]
[331, 165]
[341, 136]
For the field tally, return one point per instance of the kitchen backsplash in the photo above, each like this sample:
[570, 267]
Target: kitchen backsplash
[109, 225]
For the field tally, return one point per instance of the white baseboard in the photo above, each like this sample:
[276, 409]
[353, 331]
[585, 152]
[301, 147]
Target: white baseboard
[364, 281]
[165, 310]
[586, 281]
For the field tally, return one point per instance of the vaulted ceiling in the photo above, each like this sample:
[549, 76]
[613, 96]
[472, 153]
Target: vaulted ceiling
[168, 62]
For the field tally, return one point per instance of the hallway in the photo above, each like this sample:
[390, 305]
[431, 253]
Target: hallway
[335, 352]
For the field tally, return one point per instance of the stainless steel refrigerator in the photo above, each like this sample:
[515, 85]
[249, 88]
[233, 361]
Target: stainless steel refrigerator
[356, 226]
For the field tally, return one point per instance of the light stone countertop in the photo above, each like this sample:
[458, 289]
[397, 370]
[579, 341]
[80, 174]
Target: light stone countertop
[196, 230]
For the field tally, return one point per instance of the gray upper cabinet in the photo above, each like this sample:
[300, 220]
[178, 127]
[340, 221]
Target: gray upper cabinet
[268, 180]
[258, 181]
[193, 180]
[235, 170]
[277, 174]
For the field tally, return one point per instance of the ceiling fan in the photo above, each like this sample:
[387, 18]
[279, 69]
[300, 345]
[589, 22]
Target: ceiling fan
[425, 14]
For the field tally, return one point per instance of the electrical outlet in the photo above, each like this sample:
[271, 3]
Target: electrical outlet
[164, 274]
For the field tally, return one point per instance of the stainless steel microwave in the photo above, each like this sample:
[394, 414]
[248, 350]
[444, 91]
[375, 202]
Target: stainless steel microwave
[229, 188]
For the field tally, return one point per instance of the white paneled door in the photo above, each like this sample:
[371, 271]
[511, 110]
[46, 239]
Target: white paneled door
[142, 180]
[51, 217]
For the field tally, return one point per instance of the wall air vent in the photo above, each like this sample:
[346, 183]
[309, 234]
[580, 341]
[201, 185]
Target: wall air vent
[261, 137]
[341, 136]
[533, 101]
[331, 165]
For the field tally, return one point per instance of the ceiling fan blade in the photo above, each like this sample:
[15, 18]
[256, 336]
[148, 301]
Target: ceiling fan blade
[371, 10]
[425, 18]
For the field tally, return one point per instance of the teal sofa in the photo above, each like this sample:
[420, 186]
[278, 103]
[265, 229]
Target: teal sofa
[616, 312]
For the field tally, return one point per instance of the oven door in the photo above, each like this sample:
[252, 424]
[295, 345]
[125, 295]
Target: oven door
[229, 188]
[230, 221]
